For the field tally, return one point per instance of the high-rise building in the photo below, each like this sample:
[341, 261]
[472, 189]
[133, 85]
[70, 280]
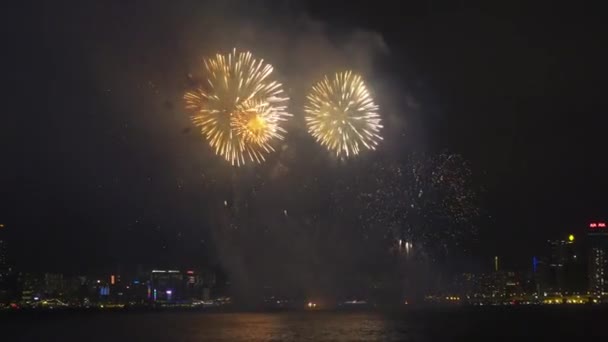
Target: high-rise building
[166, 285]
[32, 287]
[562, 269]
[4, 266]
[195, 284]
[3, 252]
[597, 234]
[562, 258]
[8, 279]
[53, 284]
[3, 261]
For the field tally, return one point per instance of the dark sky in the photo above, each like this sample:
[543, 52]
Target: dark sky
[100, 165]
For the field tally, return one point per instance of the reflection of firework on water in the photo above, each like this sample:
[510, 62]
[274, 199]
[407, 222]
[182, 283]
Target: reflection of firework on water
[342, 116]
[429, 201]
[239, 109]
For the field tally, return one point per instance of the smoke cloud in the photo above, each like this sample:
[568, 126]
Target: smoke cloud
[278, 224]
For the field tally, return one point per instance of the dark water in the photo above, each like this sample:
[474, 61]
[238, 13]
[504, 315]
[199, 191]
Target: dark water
[504, 324]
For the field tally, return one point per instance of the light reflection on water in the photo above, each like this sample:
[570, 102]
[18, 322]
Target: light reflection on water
[297, 327]
[487, 324]
[184, 326]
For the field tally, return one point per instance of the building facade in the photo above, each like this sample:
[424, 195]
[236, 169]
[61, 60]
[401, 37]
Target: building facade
[597, 234]
[166, 285]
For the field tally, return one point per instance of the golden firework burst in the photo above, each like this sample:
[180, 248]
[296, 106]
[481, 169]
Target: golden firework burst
[240, 108]
[342, 116]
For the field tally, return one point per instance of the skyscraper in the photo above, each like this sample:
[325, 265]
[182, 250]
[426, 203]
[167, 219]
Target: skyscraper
[166, 285]
[562, 258]
[561, 270]
[598, 257]
[7, 281]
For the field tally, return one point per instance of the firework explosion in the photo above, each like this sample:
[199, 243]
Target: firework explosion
[429, 201]
[342, 116]
[239, 110]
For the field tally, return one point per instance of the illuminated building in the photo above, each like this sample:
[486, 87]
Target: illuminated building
[3, 261]
[32, 287]
[75, 287]
[53, 284]
[194, 283]
[512, 284]
[8, 288]
[538, 281]
[466, 284]
[167, 285]
[3, 253]
[597, 234]
[563, 266]
[104, 291]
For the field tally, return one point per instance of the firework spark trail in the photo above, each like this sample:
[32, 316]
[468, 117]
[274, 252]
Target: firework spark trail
[342, 116]
[239, 110]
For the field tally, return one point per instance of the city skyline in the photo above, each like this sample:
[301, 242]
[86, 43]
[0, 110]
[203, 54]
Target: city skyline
[570, 270]
[584, 249]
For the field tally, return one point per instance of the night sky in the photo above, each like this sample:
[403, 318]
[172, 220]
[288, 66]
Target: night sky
[101, 166]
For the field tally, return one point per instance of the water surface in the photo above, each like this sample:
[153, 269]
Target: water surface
[419, 325]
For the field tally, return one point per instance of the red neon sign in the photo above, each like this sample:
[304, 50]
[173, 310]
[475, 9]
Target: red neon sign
[597, 225]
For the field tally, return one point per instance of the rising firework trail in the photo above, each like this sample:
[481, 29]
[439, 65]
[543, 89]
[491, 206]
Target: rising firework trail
[240, 108]
[342, 116]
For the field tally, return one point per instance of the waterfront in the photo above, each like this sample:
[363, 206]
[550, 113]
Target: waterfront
[414, 325]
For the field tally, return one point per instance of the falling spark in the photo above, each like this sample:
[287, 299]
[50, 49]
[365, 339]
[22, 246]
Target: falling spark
[430, 200]
[342, 116]
[240, 108]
